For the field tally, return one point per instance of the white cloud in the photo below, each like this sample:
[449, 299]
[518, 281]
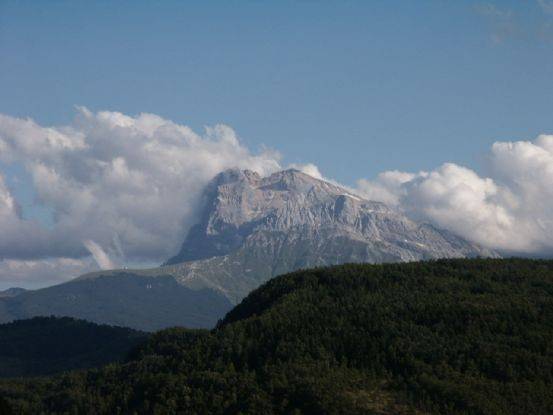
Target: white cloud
[102, 259]
[23, 239]
[309, 169]
[126, 189]
[388, 186]
[511, 211]
[130, 184]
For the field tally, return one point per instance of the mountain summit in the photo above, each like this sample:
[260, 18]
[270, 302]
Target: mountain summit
[240, 203]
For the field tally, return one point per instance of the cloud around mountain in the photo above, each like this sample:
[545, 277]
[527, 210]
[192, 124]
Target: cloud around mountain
[126, 189]
[512, 210]
[120, 188]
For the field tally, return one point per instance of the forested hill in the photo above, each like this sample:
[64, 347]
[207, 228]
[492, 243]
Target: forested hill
[47, 345]
[449, 337]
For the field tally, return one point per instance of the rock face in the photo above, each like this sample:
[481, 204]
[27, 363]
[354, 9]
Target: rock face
[255, 228]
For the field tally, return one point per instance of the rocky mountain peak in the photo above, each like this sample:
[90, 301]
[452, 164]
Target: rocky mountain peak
[241, 206]
[289, 179]
[235, 175]
[237, 201]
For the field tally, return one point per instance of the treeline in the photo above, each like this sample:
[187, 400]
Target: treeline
[447, 337]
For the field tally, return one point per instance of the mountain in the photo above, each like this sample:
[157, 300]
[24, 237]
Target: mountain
[123, 299]
[254, 228]
[12, 292]
[251, 229]
[452, 337]
[47, 345]
[243, 209]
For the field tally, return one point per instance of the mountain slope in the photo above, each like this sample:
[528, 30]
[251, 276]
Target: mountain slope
[125, 299]
[47, 345]
[450, 337]
[12, 292]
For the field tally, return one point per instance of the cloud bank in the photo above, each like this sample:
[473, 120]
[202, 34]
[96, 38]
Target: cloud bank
[120, 188]
[124, 190]
[511, 211]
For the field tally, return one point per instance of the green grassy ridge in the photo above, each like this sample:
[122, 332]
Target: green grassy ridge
[449, 336]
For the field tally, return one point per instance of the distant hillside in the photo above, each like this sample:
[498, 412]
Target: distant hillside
[12, 292]
[47, 345]
[142, 303]
[444, 337]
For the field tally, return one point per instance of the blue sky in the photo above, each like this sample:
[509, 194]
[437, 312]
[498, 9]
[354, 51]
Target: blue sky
[355, 87]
